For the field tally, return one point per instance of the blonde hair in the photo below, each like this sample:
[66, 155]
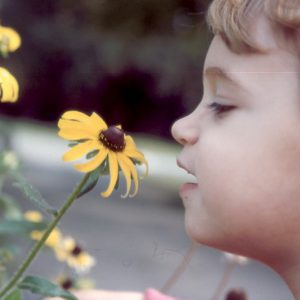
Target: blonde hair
[231, 19]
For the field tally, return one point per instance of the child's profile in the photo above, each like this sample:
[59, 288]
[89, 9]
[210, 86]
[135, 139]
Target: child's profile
[242, 142]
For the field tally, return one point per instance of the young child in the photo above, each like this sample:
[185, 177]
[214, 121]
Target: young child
[242, 142]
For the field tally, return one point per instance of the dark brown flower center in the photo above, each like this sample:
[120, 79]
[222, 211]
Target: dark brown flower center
[236, 294]
[113, 138]
[76, 251]
[67, 284]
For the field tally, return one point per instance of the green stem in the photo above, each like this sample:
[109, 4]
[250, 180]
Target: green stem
[36, 248]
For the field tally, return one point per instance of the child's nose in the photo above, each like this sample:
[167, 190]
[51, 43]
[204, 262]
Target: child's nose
[184, 131]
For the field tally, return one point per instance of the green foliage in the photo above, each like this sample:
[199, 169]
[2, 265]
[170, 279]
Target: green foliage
[33, 194]
[14, 295]
[91, 182]
[9, 207]
[11, 227]
[42, 286]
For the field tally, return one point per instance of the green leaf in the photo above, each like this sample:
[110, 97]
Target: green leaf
[33, 194]
[10, 207]
[20, 226]
[14, 295]
[42, 286]
[91, 182]
[92, 154]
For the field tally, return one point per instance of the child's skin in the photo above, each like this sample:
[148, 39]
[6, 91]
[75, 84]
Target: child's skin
[242, 143]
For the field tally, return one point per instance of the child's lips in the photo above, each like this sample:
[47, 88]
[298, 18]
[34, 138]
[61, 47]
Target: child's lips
[188, 186]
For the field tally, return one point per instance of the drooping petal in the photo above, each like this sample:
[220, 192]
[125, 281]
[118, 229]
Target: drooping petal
[99, 123]
[79, 150]
[113, 171]
[93, 163]
[133, 172]
[139, 156]
[130, 144]
[76, 134]
[126, 171]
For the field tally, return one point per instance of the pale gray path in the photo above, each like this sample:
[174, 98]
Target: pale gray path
[137, 242]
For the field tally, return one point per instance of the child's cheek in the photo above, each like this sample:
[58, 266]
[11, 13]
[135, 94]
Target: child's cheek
[245, 183]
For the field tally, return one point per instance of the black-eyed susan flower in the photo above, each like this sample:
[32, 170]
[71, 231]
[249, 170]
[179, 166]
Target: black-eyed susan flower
[9, 87]
[10, 40]
[110, 146]
[74, 255]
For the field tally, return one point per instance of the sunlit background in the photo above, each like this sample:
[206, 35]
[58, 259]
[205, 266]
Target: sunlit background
[137, 63]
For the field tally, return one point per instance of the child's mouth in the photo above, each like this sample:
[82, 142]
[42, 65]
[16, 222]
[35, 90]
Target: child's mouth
[188, 186]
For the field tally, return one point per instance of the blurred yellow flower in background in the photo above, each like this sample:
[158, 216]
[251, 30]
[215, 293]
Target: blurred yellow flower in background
[110, 144]
[10, 40]
[9, 87]
[71, 253]
[55, 236]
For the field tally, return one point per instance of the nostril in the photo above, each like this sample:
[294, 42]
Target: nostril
[182, 141]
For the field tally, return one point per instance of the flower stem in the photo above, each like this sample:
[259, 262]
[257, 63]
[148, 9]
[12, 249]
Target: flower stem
[224, 280]
[38, 245]
[180, 268]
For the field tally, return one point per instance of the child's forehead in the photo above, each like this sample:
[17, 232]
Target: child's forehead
[275, 59]
[250, 72]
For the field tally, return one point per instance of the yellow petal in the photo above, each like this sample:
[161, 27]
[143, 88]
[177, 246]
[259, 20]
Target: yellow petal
[68, 124]
[93, 163]
[139, 156]
[36, 235]
[9, 86]
[98, 122]
[54, 238]
[129, 142]
[12, 37]
[76, 134]
[133, 172]
[76, 115]
[79, 150]
[126, 171]
[33, 216]
[113, 171]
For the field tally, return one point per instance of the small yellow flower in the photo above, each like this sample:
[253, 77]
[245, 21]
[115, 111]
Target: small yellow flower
[33, 216]
[10, 40]
[111, 143]
[70, 252]
[9, 87]
[55, 236]
[53, 239]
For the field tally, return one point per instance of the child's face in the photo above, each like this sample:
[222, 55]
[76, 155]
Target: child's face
[242, 143]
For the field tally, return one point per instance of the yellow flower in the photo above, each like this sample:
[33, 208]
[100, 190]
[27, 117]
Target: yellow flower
[53, 239]
[70, 252]
[113, 146]
[55, 236]
[10, 40]
[33, 216]
[9, 87]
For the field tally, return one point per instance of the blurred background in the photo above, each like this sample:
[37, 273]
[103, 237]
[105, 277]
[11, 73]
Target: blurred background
[138, 63]
[144, 57]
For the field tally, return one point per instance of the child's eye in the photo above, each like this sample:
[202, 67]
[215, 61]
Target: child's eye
[220, 109]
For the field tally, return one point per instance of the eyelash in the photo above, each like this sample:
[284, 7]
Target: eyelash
[220, 109]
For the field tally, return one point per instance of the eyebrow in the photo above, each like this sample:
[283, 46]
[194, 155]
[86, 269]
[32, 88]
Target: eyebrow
[223, 74]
